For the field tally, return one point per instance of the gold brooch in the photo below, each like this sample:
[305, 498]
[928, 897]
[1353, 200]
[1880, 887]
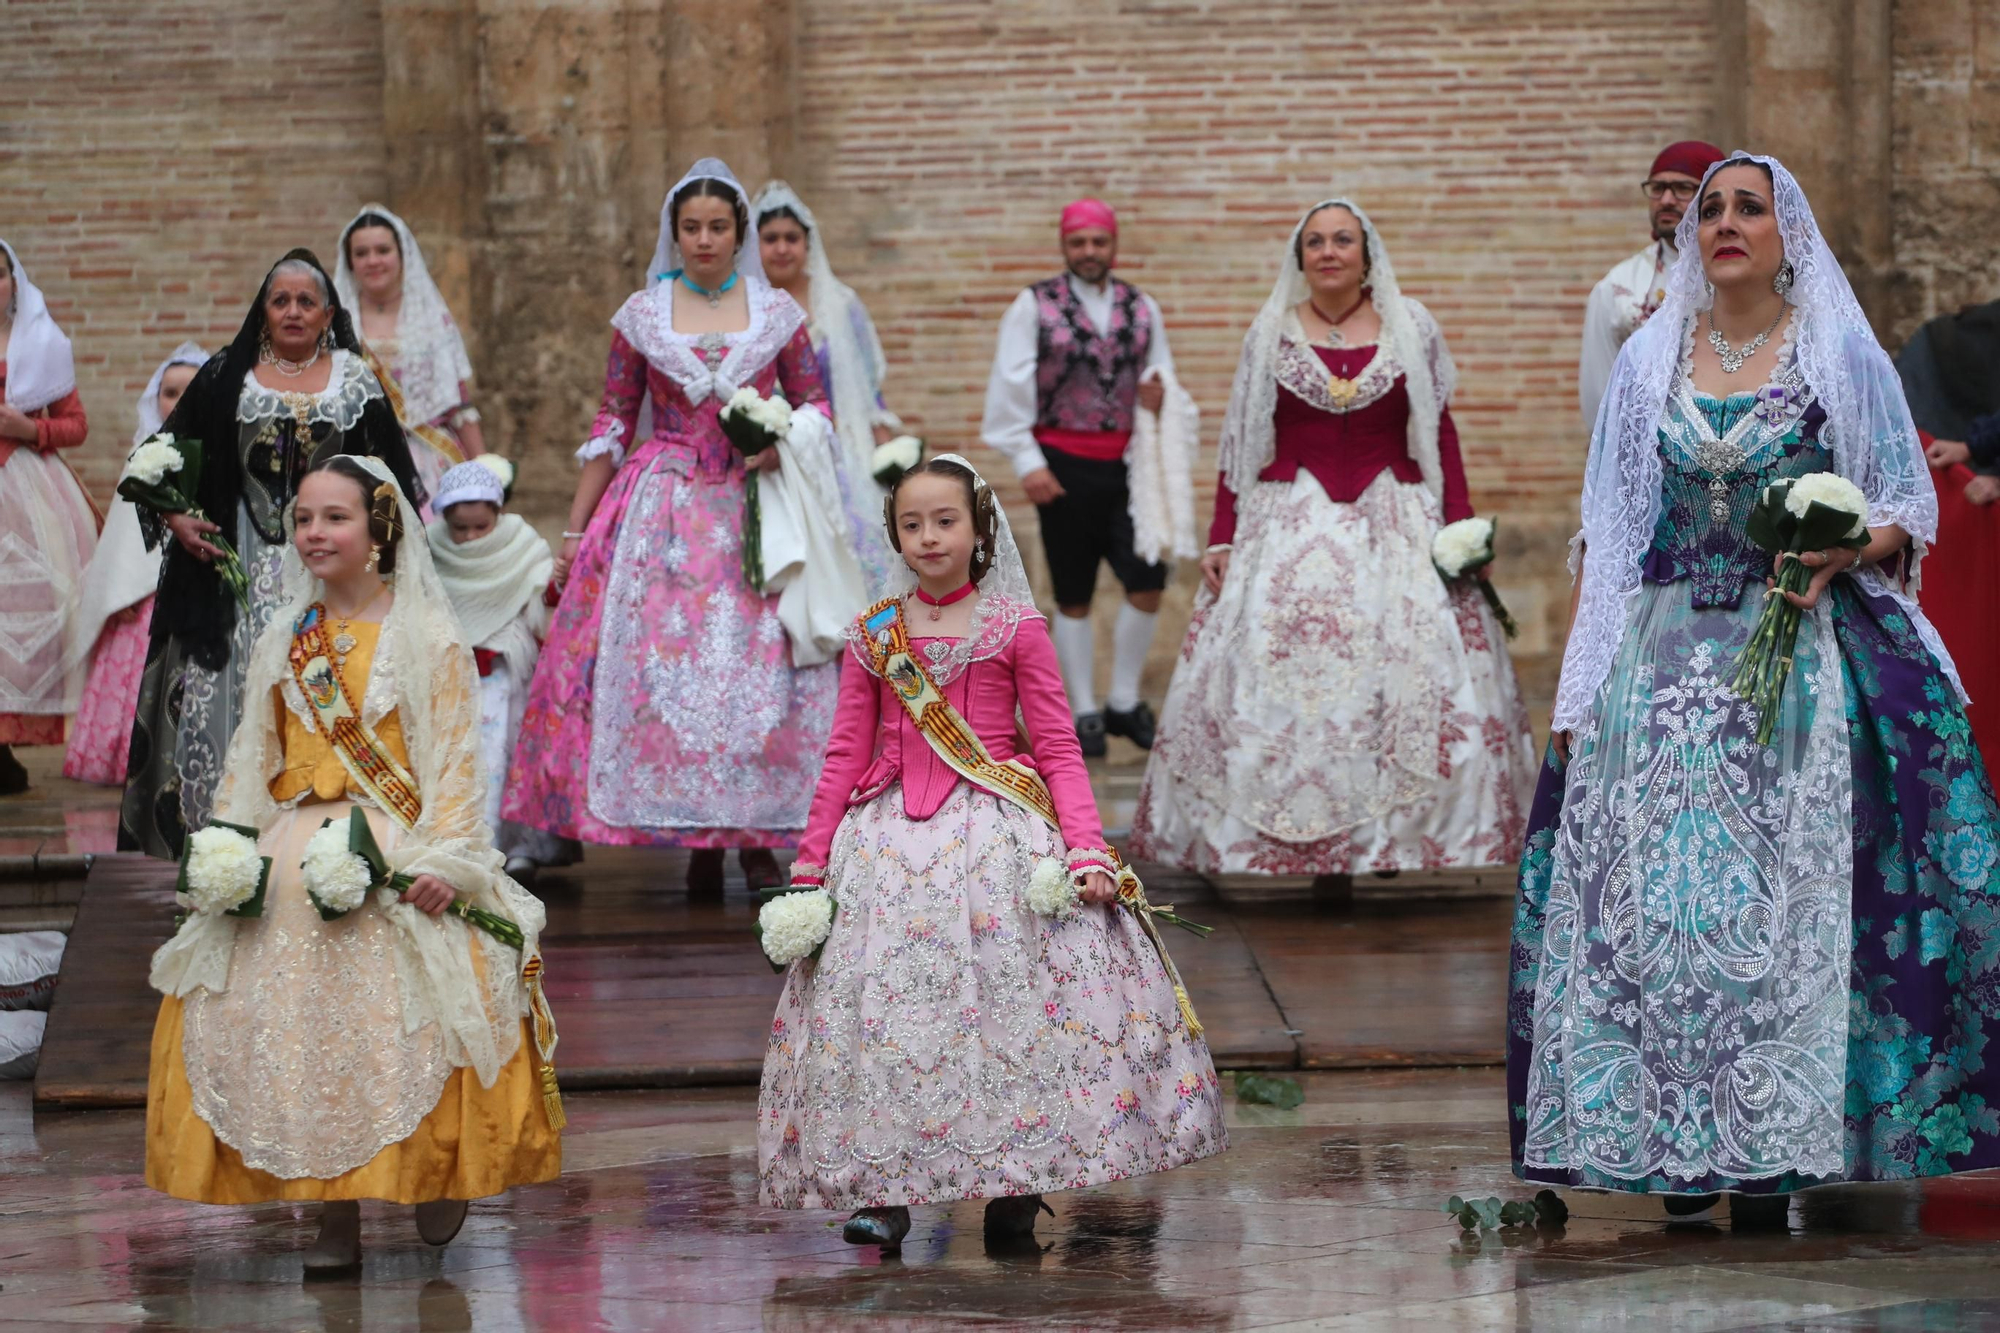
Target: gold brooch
[1343, 392]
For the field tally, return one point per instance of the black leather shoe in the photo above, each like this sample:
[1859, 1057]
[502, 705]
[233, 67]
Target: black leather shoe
[705, 872]
[1135, 726]
[14, 778]
[1090, 735]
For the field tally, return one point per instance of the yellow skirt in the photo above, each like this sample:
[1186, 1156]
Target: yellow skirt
[476, 1142]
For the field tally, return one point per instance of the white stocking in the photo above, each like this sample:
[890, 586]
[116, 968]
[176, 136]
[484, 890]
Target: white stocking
[1131, 640]
[1076, 653]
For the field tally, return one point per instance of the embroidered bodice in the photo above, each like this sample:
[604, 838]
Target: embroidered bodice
[1087, 379]
[688, 378]
[1006, 662]
[312, 771]
[1343, 414]
[1717, 456]
[278, 433]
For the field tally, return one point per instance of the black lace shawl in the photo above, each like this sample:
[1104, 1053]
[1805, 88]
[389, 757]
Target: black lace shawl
[194, 605]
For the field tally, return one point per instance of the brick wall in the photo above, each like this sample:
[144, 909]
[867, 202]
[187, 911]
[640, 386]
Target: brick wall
[1946, 198]
[1497, 145]
[156, 158]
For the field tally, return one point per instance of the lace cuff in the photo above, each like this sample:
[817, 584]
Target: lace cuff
[1083, 860]
[1575, 560]
[608, 444]
[807, 875]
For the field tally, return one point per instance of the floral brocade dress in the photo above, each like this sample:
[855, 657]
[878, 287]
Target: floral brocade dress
[665, 708]
[1743, 967]
[302, 1078]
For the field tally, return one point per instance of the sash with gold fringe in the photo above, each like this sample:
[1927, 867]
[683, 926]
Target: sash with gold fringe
[956, 743]
[391, 787]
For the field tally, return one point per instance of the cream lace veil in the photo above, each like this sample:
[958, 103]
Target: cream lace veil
[423, 671]
[667, 250]
[1868, 430]
[1409, 334]
[430, 354]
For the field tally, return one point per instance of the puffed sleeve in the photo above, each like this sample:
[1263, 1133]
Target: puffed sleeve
[856, 715]
[618, 414]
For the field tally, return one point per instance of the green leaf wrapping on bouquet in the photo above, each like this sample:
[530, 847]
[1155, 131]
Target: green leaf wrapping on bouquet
[1771, 525]
[253, 906]
[753, 534]
[1825, 528]
[361, 842]
[749, 437]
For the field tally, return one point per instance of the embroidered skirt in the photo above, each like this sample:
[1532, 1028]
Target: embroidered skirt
[950, 1043]
[1337, 707]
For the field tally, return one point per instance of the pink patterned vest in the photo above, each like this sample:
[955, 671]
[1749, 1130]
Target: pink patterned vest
[1086, 380]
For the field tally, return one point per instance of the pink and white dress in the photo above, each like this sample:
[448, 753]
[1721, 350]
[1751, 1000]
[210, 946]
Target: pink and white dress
[665, 708]
[950, 1042]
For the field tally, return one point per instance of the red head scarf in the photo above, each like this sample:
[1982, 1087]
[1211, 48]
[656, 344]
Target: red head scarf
[1091, 213]
[1690, 157]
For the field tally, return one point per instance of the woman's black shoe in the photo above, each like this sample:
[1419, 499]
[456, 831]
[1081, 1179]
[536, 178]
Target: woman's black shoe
[14, 778]
[1135, 725]
[1090, 735]
[1691, 1207]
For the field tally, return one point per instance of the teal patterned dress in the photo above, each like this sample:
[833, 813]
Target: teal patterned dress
[1744, 967]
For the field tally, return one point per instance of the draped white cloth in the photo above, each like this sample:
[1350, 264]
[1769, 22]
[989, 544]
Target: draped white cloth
[40, 366]
[807, 558]
[1868, 428]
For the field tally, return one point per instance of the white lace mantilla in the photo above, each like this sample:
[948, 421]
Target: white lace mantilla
[1301, 371]
[349, 389]
[647, 321]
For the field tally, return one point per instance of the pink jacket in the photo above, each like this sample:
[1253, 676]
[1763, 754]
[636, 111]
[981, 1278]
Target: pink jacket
[874, 741]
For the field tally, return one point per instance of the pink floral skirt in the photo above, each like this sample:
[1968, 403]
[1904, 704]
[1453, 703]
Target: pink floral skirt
[951, 1043]
[101, 736]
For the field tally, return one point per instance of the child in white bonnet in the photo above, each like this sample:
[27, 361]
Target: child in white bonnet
[496, 570]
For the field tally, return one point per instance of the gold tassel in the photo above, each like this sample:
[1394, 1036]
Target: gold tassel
[1133, 894]
[545, 1040]
[1187, 1011]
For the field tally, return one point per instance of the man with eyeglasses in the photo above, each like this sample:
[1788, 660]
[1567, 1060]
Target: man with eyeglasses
[1633, 290]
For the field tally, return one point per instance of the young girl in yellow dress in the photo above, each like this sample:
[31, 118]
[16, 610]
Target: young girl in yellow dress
[397, 1051]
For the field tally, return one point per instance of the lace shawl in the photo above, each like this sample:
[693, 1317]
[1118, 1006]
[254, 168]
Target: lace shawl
[1868, 430]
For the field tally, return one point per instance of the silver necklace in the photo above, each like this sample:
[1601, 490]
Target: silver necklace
[1732, 360]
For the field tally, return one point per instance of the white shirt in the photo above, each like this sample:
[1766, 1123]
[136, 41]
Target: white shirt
[1010, 391]
[1617, 307]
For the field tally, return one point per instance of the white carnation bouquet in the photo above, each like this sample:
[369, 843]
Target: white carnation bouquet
[893, 458]
[159, 475]
[753, 424]
[343, 862]
[1821, 511]
[1463, 547]
[221, 872]
[794, 923]
[1051, 890]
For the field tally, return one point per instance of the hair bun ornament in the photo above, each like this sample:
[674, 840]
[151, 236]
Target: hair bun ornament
[384, 504]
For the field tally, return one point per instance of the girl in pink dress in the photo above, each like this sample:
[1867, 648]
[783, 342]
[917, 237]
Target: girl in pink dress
[950, 1041]
[117, 608]
[666, 707]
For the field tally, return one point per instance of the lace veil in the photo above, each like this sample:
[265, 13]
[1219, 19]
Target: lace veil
[150, 420]
[667, 251]
[1868, 429]
[423, 671]
[430, 355]
[40, 366]
[1409, 334]
[853, 351]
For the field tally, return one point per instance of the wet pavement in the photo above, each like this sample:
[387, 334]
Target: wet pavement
[1323, 1217]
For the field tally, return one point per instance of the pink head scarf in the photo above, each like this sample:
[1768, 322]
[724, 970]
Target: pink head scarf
[1089, 213]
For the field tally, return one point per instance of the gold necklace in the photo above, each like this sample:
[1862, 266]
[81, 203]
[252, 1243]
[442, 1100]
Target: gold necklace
[344, 641]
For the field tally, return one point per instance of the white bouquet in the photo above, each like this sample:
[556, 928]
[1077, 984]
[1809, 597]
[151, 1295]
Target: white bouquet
[152, 461]
[895, 457]
[1834, 492]
[336, 879]
[502, 470]
[753, 424]
[1462, 547]
[794, 924]
[221, 872]
[1051, 891]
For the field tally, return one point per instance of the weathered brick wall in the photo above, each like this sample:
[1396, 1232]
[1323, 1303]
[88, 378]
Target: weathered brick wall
[1946, 198]
[1498, 146]
[157, 157]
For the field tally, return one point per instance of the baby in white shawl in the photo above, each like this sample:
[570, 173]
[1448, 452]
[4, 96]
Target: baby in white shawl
[496, 570]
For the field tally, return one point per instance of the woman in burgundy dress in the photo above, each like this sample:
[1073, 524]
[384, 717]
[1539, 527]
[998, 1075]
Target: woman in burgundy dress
[1338, 707]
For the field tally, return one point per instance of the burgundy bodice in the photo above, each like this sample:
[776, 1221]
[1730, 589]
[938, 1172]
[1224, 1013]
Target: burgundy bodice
[1346, 451]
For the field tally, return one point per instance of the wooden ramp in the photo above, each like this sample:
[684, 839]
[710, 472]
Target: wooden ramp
[652, 990]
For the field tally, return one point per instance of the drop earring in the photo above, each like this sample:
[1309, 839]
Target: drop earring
[1782, 283]
[374, 558]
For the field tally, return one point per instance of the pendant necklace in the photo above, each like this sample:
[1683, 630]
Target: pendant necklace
[344, 641]
[1732, 360]
[1343, 391]
[938, 604]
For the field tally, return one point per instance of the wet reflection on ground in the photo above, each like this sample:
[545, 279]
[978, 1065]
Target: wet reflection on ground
[1322, 1217]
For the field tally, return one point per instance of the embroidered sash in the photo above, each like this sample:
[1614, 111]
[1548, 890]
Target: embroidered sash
[391, 787]
[959, 746]
[361, 751]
